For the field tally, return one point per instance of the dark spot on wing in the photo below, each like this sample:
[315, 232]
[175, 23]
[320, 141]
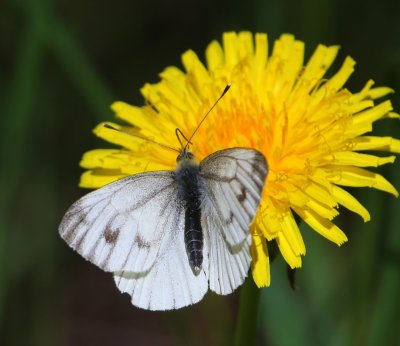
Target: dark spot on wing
[141, 243]
[242, 196]
[230, 220]
[111, 236]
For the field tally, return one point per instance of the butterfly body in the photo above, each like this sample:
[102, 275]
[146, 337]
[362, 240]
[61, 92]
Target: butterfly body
[190, 189]
[169, 236]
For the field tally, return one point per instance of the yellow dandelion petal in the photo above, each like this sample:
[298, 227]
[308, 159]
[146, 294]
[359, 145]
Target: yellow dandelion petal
[377, 93]
[372, 114]
[312, 130]
[350, 202]
[100, 158]
[392, 115]
[96, 178]
[267, 220]
[113, 160]
[360, 106]
[200, 74]
[328, 212]
[230, 46]
[360, 160]
[358, 177]
[285, 248]
[260, 263]
[291, 53]
[175, 98]
[246, 47]
[363, 94]
[337, 81]
[145, 118]
[376, 143]
[323, 226]
[293, 235]
[214, 56]
[131, 114]
[259, 60]
[115, 137]
[175, 77]
[320, 194]
[318, 64]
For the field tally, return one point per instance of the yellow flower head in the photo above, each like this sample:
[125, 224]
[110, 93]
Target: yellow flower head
[310, 129]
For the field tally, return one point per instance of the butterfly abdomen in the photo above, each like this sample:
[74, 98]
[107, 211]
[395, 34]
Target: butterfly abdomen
[189, 185]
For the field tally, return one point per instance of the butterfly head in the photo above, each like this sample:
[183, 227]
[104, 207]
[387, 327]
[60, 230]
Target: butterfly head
[185, 156]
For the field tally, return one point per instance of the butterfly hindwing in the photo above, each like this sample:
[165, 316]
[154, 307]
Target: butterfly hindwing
[171, 282]
[227, 268]
[234, 179]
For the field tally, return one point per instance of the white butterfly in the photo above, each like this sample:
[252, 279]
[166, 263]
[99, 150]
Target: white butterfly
[168, 236]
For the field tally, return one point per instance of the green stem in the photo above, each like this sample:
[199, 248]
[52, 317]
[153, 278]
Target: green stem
[248, 311]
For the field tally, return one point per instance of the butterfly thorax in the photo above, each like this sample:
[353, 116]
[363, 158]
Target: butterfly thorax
[189, 187]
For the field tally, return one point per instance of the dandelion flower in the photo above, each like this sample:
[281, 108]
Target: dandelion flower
[310, 128]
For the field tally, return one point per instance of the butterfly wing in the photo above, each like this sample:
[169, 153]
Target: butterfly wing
[134, 228]
[234, 180]
[171, 283]
[123, 225]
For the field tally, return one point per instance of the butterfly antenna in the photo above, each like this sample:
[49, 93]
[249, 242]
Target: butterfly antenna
[204, 118]
[108, 126]
[179, 133]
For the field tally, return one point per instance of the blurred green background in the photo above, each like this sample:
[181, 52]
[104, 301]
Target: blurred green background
[62, 63]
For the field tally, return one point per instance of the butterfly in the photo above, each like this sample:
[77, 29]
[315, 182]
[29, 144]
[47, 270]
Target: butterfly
[169, 236]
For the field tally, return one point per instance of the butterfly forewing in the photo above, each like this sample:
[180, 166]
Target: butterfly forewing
[234, 179]
[123, 225]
